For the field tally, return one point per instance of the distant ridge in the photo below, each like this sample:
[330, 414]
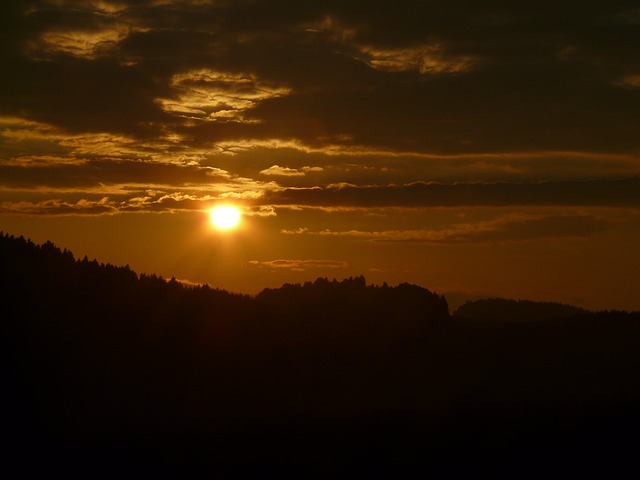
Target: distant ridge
[506, 310]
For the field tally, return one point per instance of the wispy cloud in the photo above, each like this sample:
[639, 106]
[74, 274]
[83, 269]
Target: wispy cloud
[299, 265]
[60, 207]
[426, 59]
[217, 96]
[624, 193]
[507, 228]
[278, 171]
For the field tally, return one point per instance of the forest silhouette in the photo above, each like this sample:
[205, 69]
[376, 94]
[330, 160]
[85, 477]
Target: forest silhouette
[106, 371]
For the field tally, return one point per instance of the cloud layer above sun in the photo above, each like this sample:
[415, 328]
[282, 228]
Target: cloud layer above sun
[117, 106]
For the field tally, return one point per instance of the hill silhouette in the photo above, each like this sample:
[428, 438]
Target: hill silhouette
[106, 370]
[506, 310]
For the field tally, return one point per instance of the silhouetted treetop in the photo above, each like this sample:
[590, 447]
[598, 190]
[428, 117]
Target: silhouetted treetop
[352, 300]
[46, 278]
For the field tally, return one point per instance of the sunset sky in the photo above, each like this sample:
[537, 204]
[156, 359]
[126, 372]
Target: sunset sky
[476, 148]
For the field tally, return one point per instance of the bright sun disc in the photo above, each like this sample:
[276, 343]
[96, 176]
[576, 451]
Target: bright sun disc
[225, 218]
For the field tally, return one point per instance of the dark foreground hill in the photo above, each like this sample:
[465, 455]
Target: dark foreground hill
[106, 373]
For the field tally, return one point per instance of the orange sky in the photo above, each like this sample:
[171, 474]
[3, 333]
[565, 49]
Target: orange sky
[474, 148]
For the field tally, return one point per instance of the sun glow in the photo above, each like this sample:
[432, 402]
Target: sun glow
[225, 217]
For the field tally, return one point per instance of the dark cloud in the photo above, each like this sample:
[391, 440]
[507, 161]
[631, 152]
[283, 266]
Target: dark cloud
[616, 193]
[85, 96]
[535, 76]
[431, 80]
[58, 206]
[379, 168]
[103, 172]
[508, 228]
[127, 200]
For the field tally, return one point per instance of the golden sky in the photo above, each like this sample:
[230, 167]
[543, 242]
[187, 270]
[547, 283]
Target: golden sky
[474, 148]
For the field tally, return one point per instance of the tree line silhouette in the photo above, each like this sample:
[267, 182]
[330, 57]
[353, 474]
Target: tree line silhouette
[104, 368]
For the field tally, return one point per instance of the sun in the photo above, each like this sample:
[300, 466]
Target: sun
[225, 217]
